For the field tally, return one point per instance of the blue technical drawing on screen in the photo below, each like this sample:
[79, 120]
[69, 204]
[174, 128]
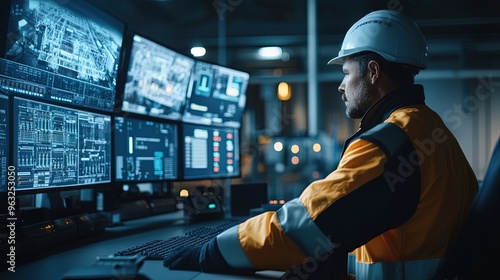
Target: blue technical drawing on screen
[157, 80]
[145, 150]
[217, 96]
[57, 147]
[62, 51]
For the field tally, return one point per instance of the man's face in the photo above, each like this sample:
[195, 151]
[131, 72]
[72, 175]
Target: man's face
[356, 90]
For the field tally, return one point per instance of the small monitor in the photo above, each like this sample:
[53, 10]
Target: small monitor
[210, 152]
[58, 147]
[66, 52]
[145, 150]
[217, 95]
[4, 142]
[157, 80]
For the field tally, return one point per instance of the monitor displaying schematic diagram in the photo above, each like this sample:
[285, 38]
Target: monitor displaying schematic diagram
[216, 96]
[157, 80]
[56, 146]
[68, 52]
[145, 150]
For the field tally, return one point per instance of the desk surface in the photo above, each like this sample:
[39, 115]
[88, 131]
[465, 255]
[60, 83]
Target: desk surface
[79, 255]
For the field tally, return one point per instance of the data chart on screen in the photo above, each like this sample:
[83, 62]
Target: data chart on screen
[145, 150]
[210, 152]
[217, 96]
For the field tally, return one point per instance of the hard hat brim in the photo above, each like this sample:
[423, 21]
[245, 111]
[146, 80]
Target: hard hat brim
[339, 60]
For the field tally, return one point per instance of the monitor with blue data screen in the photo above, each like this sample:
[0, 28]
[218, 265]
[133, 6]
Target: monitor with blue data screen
[217, 95]
[210, 152]
[55, 146]
[145, 150]
[157, 80]
[65, 52]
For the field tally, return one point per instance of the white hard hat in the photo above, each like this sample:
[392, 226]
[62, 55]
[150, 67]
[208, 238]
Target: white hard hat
[392, 35]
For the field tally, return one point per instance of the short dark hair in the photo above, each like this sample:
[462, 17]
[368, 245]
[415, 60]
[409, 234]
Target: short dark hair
[400, 74]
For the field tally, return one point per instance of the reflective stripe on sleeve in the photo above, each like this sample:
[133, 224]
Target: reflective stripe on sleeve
[299, 226]
[230, 248]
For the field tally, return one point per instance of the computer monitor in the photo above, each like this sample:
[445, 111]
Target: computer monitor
[4, 142]
[67, 52]
[56, 147]
[157, 80]
[217, 95]
[145, 150]
[210, 152]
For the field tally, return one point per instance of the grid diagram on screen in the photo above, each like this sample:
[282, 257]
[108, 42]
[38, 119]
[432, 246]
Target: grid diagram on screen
[67, 54]
[56, 146]
[157, 80]
[145, 150]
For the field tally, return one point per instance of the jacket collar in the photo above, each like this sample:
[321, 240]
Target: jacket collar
[381, 110]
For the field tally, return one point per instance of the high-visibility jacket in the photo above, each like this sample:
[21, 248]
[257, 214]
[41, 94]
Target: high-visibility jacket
[397, 200]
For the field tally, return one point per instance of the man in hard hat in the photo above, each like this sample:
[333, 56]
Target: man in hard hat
[401, 190]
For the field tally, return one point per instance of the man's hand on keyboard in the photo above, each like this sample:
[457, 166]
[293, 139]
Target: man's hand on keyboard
[205, 257]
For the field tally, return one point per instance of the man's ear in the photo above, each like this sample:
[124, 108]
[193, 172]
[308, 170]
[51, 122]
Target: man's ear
[373, 71]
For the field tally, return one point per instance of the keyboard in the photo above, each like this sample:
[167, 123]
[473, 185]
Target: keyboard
[161, 248]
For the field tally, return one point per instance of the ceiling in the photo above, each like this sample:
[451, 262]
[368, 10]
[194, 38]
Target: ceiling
[232, 30]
